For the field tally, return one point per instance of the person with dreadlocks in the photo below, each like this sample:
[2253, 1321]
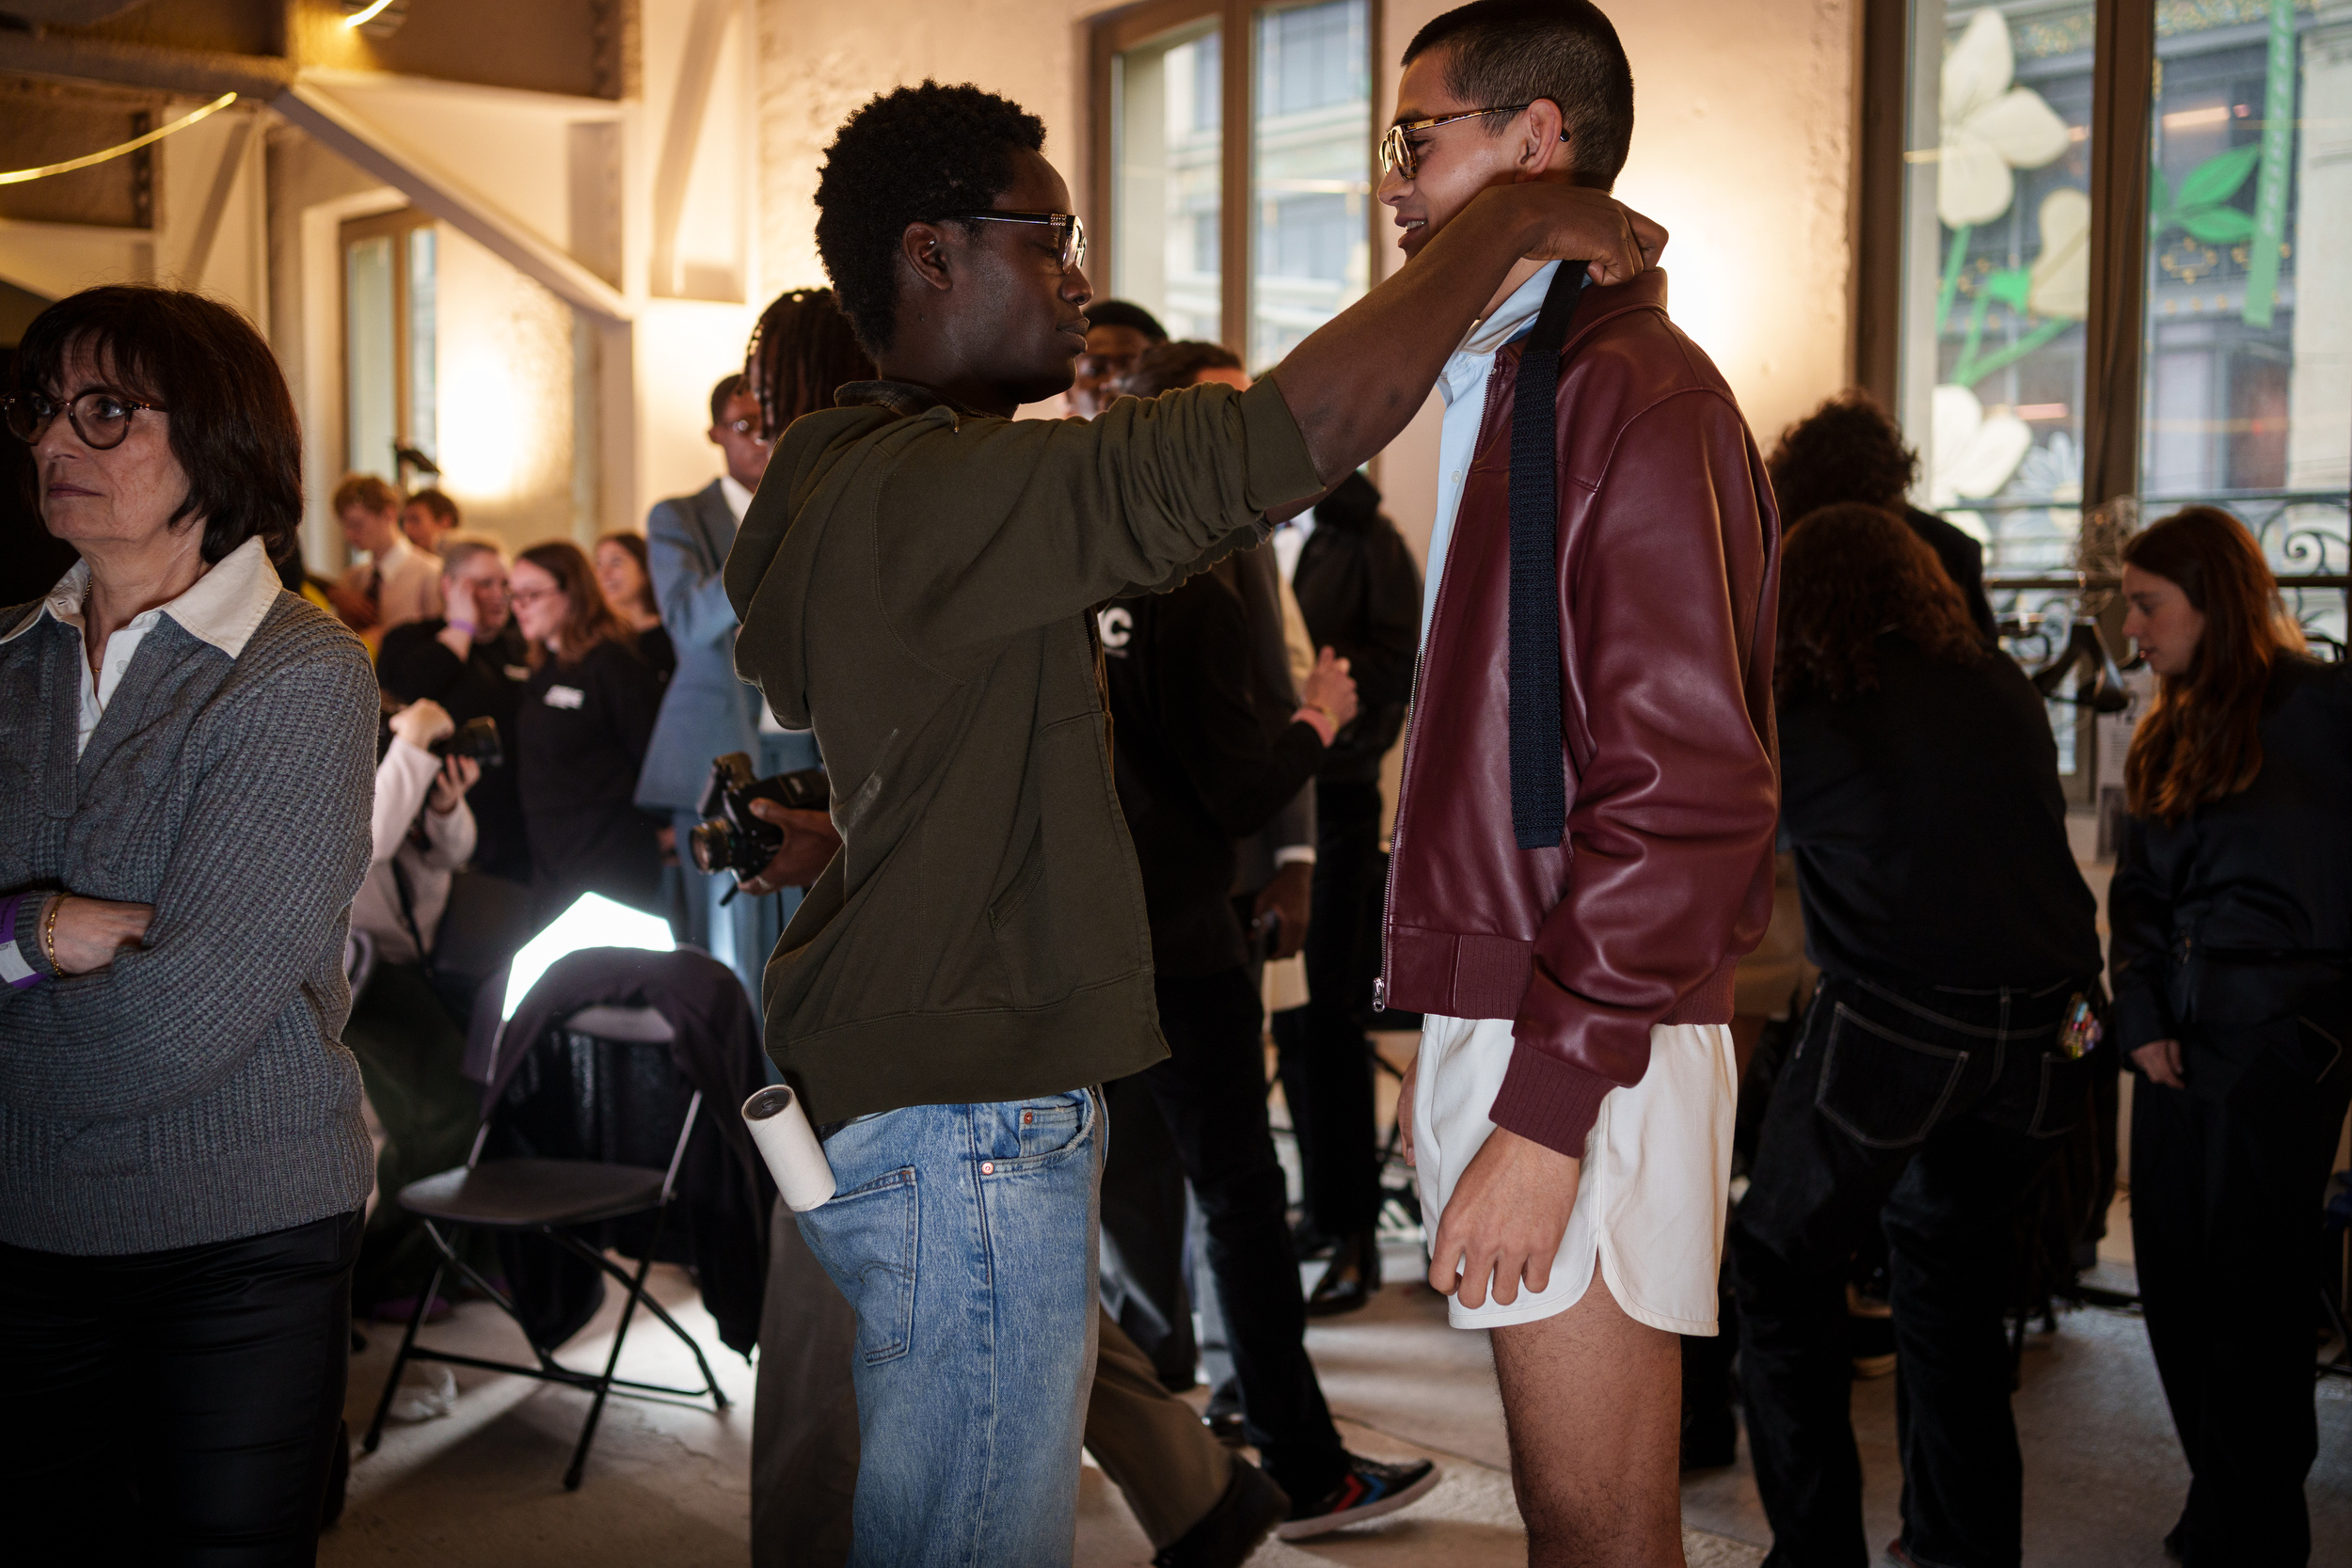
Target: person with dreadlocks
[801, 351]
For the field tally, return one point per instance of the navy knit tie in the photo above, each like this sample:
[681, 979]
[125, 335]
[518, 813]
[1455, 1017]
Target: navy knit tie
[1539, 791]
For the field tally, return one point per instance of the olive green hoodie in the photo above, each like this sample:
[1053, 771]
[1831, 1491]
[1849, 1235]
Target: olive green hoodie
[916, 584]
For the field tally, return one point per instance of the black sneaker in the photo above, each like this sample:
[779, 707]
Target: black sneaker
[1227, 1534]
[1369, 1490]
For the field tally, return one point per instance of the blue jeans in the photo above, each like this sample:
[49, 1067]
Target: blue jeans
[963, 1237]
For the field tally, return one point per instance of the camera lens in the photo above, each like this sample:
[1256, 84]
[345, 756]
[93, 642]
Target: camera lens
[713, 845]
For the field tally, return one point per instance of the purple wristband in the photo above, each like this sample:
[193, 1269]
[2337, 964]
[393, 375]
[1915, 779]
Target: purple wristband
[13, 968]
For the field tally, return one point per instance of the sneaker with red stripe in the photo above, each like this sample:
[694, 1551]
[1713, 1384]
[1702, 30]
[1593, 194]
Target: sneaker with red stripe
[1369, 1490]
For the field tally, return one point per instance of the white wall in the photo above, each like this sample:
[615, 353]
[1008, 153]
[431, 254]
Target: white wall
[1742, 147]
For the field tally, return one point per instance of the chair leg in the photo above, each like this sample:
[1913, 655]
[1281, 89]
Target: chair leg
[653, 1306]
[612, 1362]
[400, 1361]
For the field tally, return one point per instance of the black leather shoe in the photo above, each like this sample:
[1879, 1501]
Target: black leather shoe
[1309, 1241]
[1352, 1279]
[1227, 1534]
[1223, 1417]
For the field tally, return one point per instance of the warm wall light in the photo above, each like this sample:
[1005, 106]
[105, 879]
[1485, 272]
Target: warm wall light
[481, 431]
[377, 18]
[2041, 410]
[2191, 120]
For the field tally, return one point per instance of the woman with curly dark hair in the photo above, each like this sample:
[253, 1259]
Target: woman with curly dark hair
[1850, 449]
[1956, 939]
[2232, 912]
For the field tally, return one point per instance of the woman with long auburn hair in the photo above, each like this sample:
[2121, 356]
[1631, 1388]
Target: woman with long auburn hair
[1919, 796]
[2231, 918]
[581, 732]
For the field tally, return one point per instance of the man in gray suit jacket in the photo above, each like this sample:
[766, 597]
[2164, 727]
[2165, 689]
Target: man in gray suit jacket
[707, 711]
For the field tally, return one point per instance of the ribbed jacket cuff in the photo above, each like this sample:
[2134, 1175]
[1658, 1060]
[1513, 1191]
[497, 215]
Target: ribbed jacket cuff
[1545, 1099]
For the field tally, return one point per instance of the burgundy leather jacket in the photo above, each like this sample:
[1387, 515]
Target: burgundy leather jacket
[1669, 555]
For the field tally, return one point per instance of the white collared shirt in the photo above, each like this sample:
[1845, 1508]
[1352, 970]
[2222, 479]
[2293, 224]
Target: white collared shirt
[407, 583]
[1466, 374]
[739, 499]
[222, 608]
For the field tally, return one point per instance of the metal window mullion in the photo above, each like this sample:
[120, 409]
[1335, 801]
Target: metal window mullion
[2122, 83]
[1236, 198]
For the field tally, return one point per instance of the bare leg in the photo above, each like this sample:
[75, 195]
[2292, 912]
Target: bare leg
[1594, 1404]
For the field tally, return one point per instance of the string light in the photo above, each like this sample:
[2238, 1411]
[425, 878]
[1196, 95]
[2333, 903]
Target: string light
[18, 176]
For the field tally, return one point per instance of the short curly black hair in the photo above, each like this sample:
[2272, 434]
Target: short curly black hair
[1848, 449]
[909, 156]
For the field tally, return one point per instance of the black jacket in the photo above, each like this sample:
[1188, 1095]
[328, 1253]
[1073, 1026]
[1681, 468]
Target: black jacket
[2242, 912]
[414, 664]
[580, 738]
[1964, 562]
[1361, 593]
[1929, 830]
[1193, 764]
[720, 1228]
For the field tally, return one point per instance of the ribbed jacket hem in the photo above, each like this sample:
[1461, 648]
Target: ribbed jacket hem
[158, 1206]
[1545, 1099]
[980, 1055]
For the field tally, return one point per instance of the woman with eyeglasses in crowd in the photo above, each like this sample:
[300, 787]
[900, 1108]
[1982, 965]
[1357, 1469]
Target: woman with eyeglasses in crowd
[186, 751]
[2231, 919]
[581, 732]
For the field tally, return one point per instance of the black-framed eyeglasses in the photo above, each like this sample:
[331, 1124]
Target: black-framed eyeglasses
[752, 429]
[1070, 229]
[1397, 154]
[102, 420]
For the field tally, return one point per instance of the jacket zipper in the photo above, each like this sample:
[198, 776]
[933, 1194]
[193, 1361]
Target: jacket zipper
[1412, 724]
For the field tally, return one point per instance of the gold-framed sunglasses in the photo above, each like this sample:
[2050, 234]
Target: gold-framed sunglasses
[1070, 231]
[1397, 154]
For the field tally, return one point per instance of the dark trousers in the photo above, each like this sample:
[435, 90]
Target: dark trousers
[174, 1407]
[2228, 1177]
[1326, 1060]
[1211, 1092]
[1145, 1287]
[410, 1050]
[1937, 1108]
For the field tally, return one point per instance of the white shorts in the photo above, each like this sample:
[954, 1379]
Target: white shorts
[1651, 1198]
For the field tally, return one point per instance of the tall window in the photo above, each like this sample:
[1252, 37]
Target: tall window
[390, 400]
[1236, 144]
[2201, 373]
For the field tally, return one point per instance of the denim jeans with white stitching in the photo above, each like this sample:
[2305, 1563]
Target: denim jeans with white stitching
[963, 1237]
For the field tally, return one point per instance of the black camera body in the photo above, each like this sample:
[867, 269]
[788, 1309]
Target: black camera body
[730, 838]
[477, 739]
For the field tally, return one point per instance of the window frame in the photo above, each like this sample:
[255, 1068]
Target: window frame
[2123, 55]
[1113, 32]
[397, 226]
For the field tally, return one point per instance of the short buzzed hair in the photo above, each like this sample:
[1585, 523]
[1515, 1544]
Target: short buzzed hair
[723, 395]
[1518, 51]
[1178, 364]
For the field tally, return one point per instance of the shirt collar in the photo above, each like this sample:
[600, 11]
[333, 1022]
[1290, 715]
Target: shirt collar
[737, 498]
[224, 607]
[1466, 370]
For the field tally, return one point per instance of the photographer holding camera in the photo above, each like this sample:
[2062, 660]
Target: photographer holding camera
[408, 1043]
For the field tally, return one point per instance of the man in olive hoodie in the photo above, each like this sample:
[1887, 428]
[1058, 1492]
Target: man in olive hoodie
[913, 578]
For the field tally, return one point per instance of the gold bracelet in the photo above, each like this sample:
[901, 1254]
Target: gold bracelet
[49, 931]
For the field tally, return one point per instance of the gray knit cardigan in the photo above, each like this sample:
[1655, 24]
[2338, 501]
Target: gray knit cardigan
[196, 1089]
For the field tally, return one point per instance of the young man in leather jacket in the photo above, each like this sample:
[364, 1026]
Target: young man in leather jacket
[1572, 1107]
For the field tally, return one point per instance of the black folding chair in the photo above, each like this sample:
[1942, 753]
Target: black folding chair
[606, 1075]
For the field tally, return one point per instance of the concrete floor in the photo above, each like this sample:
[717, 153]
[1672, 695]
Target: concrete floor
[667, 1483]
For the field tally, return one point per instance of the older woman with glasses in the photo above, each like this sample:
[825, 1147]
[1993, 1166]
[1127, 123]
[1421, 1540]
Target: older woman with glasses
[185, 756]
